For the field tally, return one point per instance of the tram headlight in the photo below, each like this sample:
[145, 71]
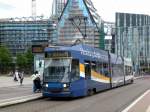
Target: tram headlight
[64, 85]
[46, 85]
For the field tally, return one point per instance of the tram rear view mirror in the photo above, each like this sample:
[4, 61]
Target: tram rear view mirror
[93, 64]
[46, 55]
[86, 63]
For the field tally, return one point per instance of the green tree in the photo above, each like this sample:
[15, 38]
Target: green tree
[21, 61]
[5, 59]
[30, 59]
[25, 61]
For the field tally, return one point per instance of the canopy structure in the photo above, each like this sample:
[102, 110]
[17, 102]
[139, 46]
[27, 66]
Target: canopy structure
[78, 22]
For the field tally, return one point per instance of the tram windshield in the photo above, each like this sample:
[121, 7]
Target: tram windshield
[57, 70]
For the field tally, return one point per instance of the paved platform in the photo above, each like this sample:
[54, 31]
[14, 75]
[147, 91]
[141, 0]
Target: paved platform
[12, 92]
[7, 81]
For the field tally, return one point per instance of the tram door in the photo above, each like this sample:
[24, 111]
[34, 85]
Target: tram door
[87, 69]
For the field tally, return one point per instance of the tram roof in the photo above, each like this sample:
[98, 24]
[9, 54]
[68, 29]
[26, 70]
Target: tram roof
[88, 51]
[78, 47]
[116, 59]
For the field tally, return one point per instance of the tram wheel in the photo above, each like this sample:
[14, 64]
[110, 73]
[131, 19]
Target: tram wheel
[132, 81]
[90, 92]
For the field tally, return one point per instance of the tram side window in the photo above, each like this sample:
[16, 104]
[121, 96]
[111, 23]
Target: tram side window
[87, 69]
[106, 69]
[97, 67]
[94, 66]
[75, 69]
[100, 68]
[117, 70]
[128, 70]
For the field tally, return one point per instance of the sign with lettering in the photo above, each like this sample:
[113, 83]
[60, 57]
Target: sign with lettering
[55, 54]
[37, 49]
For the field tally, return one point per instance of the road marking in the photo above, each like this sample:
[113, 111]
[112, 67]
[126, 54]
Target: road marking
[148, 109]
[134, 102]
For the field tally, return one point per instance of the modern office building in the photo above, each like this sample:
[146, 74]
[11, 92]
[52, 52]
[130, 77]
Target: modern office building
[133, 39]
[58, 7]
[79, 20]
[18, 34]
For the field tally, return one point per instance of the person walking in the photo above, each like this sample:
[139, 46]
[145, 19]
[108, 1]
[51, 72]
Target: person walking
[16, 75]
[21, 76]
[36, 82]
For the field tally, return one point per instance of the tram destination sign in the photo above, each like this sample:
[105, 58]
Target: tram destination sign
[56, 54]
[37, 49]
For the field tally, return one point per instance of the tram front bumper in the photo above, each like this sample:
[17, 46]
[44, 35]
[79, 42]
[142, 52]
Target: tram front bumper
[56, 90]
[60, 94]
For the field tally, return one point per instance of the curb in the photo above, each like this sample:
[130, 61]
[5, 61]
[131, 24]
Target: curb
[17, 100]
[138, 77]
[143, 76]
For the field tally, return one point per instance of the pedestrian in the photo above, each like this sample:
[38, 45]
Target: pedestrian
[33, 77]
[21, 76]
[36, 82]
[16, 75]
[133, 73]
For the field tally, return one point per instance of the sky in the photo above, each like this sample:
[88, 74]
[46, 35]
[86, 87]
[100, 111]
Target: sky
[106, 8]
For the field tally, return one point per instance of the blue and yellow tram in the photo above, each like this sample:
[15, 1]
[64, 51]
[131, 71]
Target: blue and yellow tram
[80, 70]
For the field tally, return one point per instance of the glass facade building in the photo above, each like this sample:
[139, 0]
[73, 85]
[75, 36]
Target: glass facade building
[58, 7]
[79, 20]
[18, 35]
[133, 39]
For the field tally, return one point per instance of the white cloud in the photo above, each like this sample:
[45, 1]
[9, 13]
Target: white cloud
[5, 6]
[21, 8]
[44, 7]
[107, 8]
